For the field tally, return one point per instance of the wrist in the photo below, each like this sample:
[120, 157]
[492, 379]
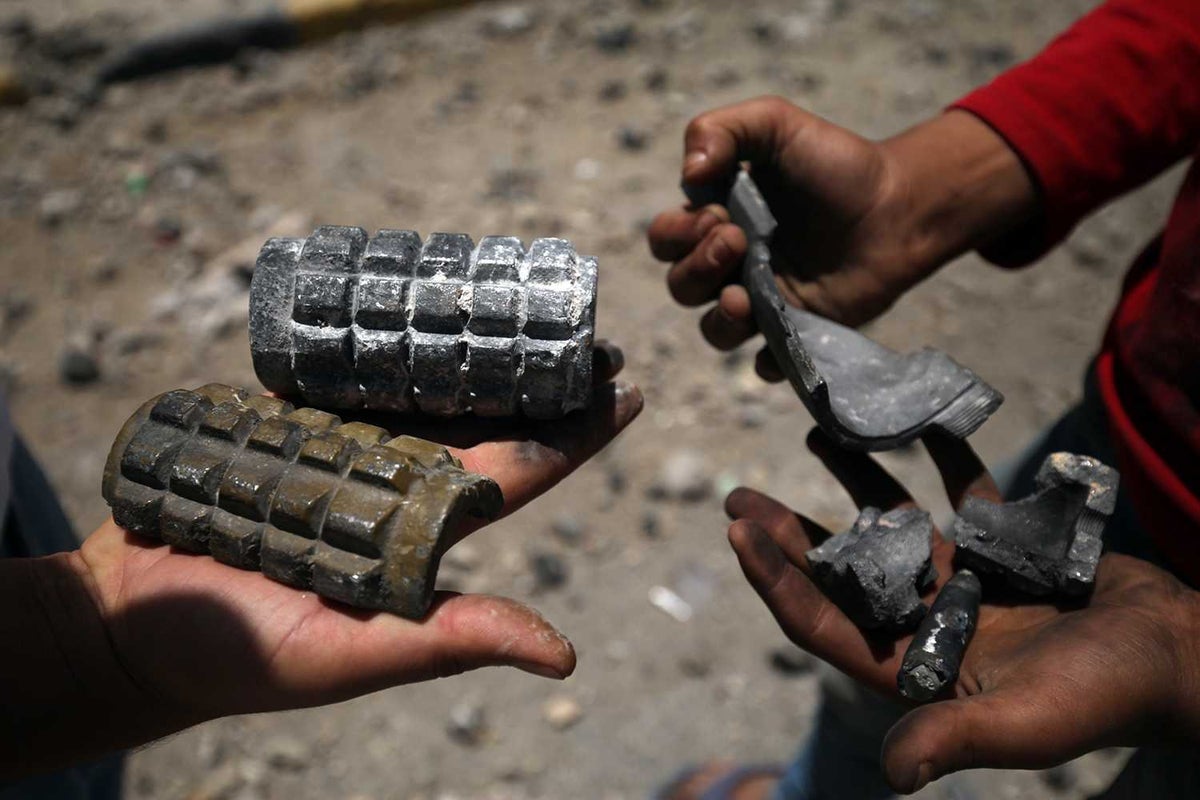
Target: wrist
[1187, 707]
[65, 694]
[957, 186]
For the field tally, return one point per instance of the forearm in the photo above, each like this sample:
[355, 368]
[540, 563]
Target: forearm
[1188, 704]
[956, 186]
[64, 696]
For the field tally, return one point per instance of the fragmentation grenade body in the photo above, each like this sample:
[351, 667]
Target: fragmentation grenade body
[441, 327]
[340, 509]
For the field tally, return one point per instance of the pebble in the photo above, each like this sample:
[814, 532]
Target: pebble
[671, 604]
[655, 79]
[550, 571]
[651, 524]
[467, 724]
[612, 90]
[569, 529]
[615, 37]
[562, 712]
[791, 660]
[287, 753]
[77, 366]
[57, 206]
[633, 138]
[510, 21]
[618, 482]
[683, 476]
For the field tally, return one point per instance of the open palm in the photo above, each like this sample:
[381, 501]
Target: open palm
[1039, 684]
[202, 640]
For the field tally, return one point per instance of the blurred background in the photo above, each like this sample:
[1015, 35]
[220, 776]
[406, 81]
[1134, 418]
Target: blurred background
[130, 219]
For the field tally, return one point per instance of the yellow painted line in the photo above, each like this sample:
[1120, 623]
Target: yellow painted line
[320, 19]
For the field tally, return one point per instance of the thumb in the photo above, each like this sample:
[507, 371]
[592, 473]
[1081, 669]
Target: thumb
[996, 730]
[754, 130]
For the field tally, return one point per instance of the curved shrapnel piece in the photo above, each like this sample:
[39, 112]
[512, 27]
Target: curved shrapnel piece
[932, 660]
[441, 327]
[876, 571]
[339, 508]
[1049, 542]
[865, 396]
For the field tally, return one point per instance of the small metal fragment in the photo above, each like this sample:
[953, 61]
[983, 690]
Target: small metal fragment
[876, 571]
[443, 327]
[936, 652]
[1049, 542]
[864, 395]
[339, 508]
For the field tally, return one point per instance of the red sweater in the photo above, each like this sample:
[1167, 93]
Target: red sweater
[1108, 105]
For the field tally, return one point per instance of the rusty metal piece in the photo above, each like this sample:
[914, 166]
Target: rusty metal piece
[876, 571]
[936, 652]
[441, 327]
[339, 508]
[1049, 542]
[862, 394]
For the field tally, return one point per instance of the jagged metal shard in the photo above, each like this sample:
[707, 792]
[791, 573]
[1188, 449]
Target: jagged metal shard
[933, 658]
[339, 508]
[1048, 543]
[440, 327]
[865, 396]
[876, 571]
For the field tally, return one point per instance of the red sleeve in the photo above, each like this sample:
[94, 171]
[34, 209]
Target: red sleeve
[1107, 106]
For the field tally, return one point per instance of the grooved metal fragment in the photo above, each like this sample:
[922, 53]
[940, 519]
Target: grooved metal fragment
[442, 327]
[339, 508]
[862, 394]
[1049, 542]
[935, 654]
[876, 571]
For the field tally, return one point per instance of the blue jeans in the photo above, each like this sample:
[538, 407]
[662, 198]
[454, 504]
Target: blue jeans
[841, 757]
[36, 526]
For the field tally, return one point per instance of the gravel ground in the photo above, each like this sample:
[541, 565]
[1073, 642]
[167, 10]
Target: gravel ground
[122, 225]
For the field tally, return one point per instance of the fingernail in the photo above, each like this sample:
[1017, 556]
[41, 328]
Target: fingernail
[629, 401]
[924, 775]
[693, 161]
[541, 670]
[719, 252]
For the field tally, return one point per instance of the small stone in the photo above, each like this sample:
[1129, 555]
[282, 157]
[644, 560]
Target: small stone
[510, 21]
[615, 37]
[651, 524]
[655, 79]
[684, 476]
[562, 712]
[633, 138]
[286, 753]
[468, 724]
[697, 663]
[550, 571]
[612, 90]
[569, 529]
[59, 205]
[752, 416]
[77, 366]
[618, 482]
[588, 169]
[791, 661]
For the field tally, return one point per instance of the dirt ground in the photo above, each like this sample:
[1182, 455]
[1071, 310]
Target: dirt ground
[117, 222]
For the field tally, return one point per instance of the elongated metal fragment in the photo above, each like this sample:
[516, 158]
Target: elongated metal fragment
[862, 394]
[342, 509]
[932, 660]
[441, 327]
